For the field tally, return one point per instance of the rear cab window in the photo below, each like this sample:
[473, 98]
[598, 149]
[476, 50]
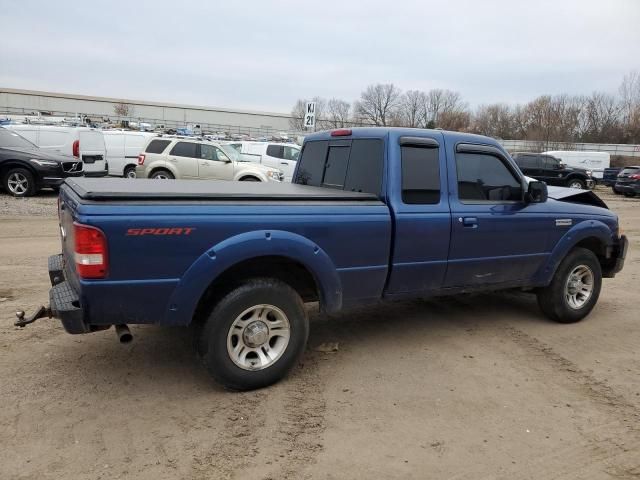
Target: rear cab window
[354, 165]
[157, 146]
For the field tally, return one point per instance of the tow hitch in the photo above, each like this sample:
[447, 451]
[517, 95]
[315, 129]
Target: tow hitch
[40, 313]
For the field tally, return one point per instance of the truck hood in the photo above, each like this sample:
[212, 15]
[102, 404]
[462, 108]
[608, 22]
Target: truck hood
[575, 195]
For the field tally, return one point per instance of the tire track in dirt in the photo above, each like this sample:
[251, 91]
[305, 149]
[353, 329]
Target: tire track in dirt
[615, 443]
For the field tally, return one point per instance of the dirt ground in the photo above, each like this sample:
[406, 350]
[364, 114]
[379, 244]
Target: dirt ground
[474, 387]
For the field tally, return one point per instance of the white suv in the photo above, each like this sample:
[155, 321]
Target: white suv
[191, 158]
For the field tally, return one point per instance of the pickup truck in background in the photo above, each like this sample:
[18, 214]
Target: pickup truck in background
[552, 171]
[373, 214]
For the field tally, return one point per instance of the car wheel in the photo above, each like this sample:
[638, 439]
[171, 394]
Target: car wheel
[576, 183]
[130, 172]
[249, 179]
[574, 289]
[19, 182]
[629, 194]
[616, 191]
[162, 175]
[254, 335]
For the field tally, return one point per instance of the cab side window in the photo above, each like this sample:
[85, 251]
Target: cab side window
[276, 151]
[486, 178]
[420, 175]
[550, 163]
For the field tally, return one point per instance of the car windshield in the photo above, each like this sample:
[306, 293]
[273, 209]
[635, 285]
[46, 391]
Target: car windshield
[231, 152]
[9, 139]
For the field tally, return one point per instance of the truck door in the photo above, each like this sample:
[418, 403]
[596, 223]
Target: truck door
[422, 215]
[495, 236]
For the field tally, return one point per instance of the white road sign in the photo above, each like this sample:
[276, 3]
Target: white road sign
[310, 115]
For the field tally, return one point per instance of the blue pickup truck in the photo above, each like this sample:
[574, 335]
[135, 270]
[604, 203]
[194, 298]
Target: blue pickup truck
[373, 214]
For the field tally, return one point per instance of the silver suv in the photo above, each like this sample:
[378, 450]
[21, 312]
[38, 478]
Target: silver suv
[194, 158]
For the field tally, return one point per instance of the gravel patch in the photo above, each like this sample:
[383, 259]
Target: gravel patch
[43, 204]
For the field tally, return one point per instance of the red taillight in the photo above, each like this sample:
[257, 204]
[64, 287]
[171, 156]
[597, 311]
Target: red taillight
[90, 251]
[341, 132]
[76, 149]
[141, 159]
[635, 176]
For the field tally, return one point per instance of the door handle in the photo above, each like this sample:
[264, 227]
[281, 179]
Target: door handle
[204, 164]
[284, 163]
[469, 222]
[174, 160]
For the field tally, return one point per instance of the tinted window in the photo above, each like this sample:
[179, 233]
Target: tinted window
[420, 175]
[485, 178]
[157, 146]
[365, 166]
[629, 171]
[291, 153]
[9, 139]
[350, 165]
[275, 151]
[311, 166]
[527, 161]
[550, 163]
[185, 149]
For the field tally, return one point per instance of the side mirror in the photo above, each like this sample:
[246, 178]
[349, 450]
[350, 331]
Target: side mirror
[536, 192]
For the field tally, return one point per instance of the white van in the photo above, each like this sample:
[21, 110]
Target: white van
[123, 148]
[282, 156]
[594, 161]
[84, 143]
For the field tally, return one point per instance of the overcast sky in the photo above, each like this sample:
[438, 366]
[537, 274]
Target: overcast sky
[263, 55]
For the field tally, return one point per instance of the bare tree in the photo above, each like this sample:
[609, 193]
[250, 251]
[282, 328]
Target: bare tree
[122, 109]
[602, 119]
[496, 120]
[378, 104]
[630, 106]
[441, 101]
[337, 115]
[412, 108]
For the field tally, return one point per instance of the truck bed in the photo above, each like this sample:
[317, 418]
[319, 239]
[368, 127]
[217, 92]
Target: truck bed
[94, 189]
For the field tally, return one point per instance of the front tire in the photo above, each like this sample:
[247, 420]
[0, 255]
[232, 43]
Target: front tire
[19, 182]
[574, 289]
[129, 172]
[254, 335]
[576, 183]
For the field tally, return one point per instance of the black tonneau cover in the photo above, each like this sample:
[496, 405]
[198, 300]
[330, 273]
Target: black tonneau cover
[141, 189]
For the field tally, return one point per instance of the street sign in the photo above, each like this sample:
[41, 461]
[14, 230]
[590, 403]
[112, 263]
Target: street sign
[310, 115]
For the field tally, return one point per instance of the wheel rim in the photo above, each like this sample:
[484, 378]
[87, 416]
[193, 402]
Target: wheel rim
[161, 176]
[579, 287]
[131, 173]
[258, 337]
[18, 183]
[575, 185]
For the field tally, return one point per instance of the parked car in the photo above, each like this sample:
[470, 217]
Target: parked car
[190, 158]
[25, 168]
[123, 148]
[550, 170]
[596, 162]
[628, 182]
[373, 213]
[610, 176]
[86, 144]
[282, 156]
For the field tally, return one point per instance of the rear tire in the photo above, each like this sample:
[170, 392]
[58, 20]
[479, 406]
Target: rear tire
[629, 194]
[162, 175]
[254, 335]
[616, 191]
[19, 182]
[129, 172]
[249, 179]
[574, 289]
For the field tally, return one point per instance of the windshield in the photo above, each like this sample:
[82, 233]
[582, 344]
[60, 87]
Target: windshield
[9, 139]
[231, 152]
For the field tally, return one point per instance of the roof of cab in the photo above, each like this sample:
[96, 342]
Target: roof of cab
[380, 132]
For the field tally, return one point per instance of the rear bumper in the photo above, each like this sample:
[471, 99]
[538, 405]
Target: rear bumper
[627, 188]
[64, 301]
